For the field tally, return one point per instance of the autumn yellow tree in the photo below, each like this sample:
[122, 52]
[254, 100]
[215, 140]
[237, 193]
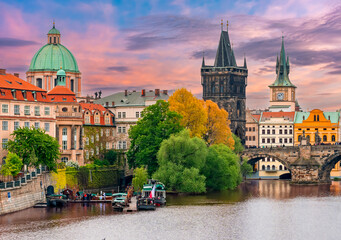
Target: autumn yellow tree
[192, 111]
[217, 125]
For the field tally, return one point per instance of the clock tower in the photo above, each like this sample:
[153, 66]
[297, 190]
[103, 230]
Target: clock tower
[282, 91]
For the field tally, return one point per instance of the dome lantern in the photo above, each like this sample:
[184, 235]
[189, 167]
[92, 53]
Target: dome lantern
[61, 77]
[53, 36]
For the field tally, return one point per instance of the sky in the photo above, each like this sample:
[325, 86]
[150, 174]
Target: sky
[158, 44]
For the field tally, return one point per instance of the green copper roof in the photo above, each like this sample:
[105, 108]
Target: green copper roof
[54, 31]
[61, 72]
[299, 116]
[53, 56]
[334, 116]
[282, 70]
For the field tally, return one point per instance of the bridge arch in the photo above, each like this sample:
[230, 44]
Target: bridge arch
[257, 157]
[328, 165]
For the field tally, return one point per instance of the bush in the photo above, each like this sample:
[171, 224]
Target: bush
[12, 165]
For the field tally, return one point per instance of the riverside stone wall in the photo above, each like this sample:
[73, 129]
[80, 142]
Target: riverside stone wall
[25, 196]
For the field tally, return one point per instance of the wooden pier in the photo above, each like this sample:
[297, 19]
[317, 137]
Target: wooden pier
[132, 206]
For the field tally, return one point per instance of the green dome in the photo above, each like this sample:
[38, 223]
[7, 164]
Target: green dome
[54, 31]
[61, 72]
[53, 56]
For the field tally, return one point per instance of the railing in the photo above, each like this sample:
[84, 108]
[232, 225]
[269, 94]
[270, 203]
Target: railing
[10, 183]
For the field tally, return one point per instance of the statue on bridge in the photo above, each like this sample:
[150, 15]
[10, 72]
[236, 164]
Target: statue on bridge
[317, 138]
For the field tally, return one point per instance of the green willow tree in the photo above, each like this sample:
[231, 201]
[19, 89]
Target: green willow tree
[157, 124]
[35, 147]
[140, 178]
[181, 159]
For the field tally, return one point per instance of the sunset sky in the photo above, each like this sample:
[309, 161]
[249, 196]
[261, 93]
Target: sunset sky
[158, 44]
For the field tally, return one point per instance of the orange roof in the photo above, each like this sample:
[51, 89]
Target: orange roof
[92, 106]
[256, 116]
[61, 94]
[290, 115]
[10, 81]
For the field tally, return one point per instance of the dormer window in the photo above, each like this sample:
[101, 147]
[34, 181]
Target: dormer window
[24, 94]
[64, 99]
[14, 93]
[34, 94]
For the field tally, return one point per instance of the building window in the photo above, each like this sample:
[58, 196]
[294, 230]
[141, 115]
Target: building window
[107, 120]
[123, 129]
[273, 140]
[37, 111]
[123, 114]
[87, 118]
[119, 145]
[119, 115]
[107, 145]
[280, 167]
[263, 140]
[280, 131]
[285, 140]
[37, 125]
[87, 154]
[290, 131]
[64, 138]
[107, 132]
[97, 137]
[333, 138]
[119, 129]
[27, 110]
[137, 114]
[273, 131]
[268, 140]
[285, 131]
[92, 152]
[290, 140]
[268, 167]
[268, 131]
[124, 145]
[16, 125]
[27, 124]
[65, 159]
[5, 125]
[4, 143]
[273, 167]
[101, 132]
[280, 140]
[97, 150]
[47, 111]
[86, 141]
[16, 109]
[254, 138]
[113, 132]
[263, 167]
[324, 138]
[64, 143]
[97, 116]
[263, 131]
[4, 108]
[47, 127]
[92, 139]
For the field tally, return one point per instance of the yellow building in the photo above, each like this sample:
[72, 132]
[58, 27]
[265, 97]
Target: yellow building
[315, 123]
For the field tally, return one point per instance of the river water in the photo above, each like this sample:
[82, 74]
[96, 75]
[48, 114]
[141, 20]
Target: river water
[256, 210]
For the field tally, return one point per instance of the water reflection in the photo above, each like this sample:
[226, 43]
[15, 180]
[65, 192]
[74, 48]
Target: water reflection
[267, 209]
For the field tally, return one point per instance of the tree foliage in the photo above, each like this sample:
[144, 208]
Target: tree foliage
[238, 146]
[35, 147]
[12, 166]
[140, 178]
[157, 124]
[218, 130]
[245, 168]
[222, 169]
[194, 116]
[180, 159]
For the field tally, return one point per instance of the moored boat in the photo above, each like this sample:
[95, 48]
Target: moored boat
[156, 190]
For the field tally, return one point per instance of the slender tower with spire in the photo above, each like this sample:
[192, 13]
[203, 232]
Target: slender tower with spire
[225, 84]
[282, 91]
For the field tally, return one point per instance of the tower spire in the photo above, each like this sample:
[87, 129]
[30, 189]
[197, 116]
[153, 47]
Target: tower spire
[245, 66]
[203, 59]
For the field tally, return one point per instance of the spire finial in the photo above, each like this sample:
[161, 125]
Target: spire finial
[227, 24]
[203, 59]
[222, 28]
[54, 23]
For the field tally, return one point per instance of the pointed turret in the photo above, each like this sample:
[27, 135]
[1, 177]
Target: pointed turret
[282, 70]
[203, 60]
[245, 66]
[225, 56]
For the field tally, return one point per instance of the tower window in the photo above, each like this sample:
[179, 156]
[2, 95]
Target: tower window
[54, 39]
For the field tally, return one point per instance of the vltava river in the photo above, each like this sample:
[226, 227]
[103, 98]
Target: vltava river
[256, 210]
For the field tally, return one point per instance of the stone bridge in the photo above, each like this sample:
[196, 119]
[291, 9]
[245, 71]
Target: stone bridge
[307, 164]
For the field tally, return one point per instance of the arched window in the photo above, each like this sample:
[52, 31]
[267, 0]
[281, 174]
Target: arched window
[303, 117]
[54, 39]
[72, 85]
[318, 117]
[97, 118]
[268, 167]
[280, 167]
[324, 138]
[50, 39]
[55, 82]
[65, 159]
[285, 168]
[263, 167]
[273, 167]
[333, 138]
[314, 118]
[87, 117]
[39, 82]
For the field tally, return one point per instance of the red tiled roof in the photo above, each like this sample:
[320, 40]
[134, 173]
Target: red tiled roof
[256, 116]
[92, 106]
[10, 84]
[10, 81]
[290, 115]
[61, 94]
[95, 108]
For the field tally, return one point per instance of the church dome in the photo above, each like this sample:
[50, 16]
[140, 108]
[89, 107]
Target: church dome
[53, 55]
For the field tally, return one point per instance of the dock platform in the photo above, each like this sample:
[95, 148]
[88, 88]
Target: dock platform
[132, 206]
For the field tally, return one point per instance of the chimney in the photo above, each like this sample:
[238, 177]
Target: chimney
[2, 71]
[165, 92]
[112, 103]
[143, 93]
[125, 92]
[16, 74]
[157, 92]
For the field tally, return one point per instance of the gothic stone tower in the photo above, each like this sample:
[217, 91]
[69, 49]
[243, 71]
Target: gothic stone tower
[225, 83]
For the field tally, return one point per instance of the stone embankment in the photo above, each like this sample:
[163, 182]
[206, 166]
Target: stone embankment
[26, 195]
